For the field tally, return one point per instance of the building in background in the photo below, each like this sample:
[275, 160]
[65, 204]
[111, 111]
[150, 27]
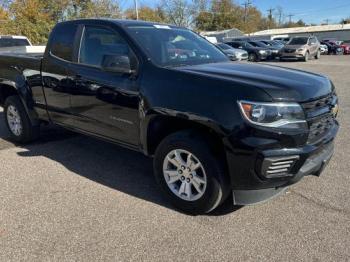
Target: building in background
[338, 31]
[224, 35]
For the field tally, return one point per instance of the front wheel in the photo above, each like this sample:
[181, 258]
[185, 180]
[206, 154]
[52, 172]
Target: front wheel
[253, 57]
[189, 174]
[17, 121]
[318, 54]
[306, 57]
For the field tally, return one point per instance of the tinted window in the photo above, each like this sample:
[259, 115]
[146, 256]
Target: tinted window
[224, 46]
[9, 42]
[171, 46]
[62, 41]
[98, 42]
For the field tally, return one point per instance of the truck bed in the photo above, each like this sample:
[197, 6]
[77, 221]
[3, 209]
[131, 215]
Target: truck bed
[29, 61]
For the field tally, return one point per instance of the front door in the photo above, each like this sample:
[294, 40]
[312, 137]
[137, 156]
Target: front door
[104, 103]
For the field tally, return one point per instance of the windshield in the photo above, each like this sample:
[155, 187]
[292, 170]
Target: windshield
[168, 46]
[9, 42]
[258, 44]
[298, 41]
[224, 46]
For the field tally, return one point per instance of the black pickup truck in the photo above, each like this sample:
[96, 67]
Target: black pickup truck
[215, 128]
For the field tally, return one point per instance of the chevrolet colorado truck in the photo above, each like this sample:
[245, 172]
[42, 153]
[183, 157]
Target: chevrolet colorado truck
[214, 128]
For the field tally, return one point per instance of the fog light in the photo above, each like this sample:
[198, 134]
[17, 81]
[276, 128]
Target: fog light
[278, 166]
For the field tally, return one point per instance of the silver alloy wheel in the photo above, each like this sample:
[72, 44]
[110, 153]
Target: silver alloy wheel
[14, 120]
[184, 175]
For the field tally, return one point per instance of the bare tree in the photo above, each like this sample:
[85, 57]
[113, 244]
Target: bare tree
[178, 12]
[279, 15]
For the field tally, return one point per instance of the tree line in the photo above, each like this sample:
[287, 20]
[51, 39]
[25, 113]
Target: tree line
[35, 18]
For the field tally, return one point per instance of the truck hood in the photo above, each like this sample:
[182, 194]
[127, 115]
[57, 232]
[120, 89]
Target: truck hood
[282, 84]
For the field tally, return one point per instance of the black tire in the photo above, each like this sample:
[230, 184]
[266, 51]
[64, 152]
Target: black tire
[29, 131]
[218, 186]
[253, 57]
[306, 57]
[318, 55]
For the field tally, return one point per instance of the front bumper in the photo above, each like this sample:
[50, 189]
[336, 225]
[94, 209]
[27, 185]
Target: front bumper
[294, 55]
[249, 183]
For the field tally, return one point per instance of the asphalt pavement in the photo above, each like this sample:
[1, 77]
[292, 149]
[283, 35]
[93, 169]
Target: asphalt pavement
[69, 197]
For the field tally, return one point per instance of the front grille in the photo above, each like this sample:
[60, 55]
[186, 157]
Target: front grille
[278, 166]
[320, 116]
[320, 127]
[290, 50]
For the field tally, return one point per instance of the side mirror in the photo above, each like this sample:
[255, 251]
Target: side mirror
[117, 63]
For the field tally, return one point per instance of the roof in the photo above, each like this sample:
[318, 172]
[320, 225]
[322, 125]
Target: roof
[13, 36]
[122, 22]
[209, 33]
[305, 29]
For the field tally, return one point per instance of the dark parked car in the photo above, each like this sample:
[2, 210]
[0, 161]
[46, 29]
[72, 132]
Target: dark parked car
[272, 43]
[214, 128]
[255, 54]
[333, 48]
[274, 50]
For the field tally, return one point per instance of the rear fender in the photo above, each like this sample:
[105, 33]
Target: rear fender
[21, 88]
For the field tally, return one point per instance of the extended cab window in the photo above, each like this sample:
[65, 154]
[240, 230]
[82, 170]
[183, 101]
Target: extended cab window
[98, 42]
[62, 43]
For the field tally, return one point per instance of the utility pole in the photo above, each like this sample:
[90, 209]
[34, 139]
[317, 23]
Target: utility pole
[136, 9]
[246, 5]
[270, 15]
[290, 17]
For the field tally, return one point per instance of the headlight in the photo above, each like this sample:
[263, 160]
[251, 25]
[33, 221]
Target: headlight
[262, 52]
[275, 115]
[300, 50]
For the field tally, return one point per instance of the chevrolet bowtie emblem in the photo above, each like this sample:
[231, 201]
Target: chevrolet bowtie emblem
[335, 110]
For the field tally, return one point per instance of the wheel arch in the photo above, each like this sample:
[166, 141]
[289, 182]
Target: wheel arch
[11, 88]
[160, 126]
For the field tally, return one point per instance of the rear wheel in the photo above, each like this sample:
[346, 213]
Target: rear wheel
[189, 174]
[17, 121]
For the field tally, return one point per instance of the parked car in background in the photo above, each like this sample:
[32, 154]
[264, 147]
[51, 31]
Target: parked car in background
[273, 43]
[274, 51]
[255, 54]
[283, 40]
[324, 49]
[301, 48]
[14, 41]
[234, 54]
[333, 48]
[346, 47]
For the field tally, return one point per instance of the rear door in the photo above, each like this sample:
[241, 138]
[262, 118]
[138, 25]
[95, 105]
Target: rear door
[104, 103]
[57, 85]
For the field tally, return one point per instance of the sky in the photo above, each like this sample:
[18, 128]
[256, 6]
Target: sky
[311, 11]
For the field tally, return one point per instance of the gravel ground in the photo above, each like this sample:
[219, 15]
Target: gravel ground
[73, 198]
